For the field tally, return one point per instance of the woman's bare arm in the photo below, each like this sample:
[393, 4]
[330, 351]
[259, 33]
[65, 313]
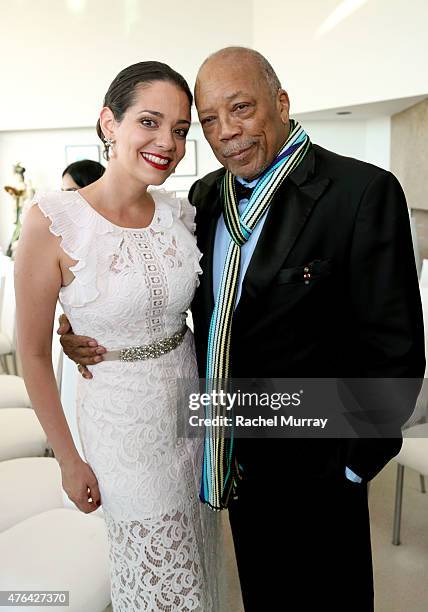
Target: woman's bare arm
[37, 284]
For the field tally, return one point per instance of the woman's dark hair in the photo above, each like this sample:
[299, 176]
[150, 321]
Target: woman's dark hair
[84, 172]
[121, 93]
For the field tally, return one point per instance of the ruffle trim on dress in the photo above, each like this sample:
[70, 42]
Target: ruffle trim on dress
[75, 223]
[179, 209]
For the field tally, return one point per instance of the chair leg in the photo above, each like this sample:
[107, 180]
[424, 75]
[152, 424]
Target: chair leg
[14, 363]
[422, 479]
[398, 505]
[4, 364]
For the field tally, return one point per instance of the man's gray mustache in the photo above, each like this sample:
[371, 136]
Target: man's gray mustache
[237, 147]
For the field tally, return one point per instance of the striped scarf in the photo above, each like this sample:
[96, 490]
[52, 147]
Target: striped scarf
[220, 471]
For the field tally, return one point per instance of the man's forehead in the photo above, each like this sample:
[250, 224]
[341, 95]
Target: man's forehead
[225, 86]
[222, 93]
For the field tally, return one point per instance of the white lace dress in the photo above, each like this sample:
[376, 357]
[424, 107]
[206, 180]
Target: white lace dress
[131, 287]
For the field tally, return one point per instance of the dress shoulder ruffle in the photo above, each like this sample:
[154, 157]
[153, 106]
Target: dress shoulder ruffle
[78, 226]
[180, 208]
[170, 210]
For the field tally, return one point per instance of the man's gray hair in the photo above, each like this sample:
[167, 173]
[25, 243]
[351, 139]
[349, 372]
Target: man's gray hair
[266, 69]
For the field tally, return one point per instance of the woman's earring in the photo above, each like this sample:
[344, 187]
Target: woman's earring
[108, 145]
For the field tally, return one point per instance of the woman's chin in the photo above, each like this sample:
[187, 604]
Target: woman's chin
[160, 180]
[154, 179]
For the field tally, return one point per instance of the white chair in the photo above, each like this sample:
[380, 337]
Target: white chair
[59, 549]
[423, 279]
[13, 393]
[7, 317]
[413, 454]
[420, 413]
[21, 434]
[3, 346]
[415, 241]
[29, 486]
[46, 546]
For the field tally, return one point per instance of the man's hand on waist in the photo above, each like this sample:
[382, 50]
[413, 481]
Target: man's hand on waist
[81, 349]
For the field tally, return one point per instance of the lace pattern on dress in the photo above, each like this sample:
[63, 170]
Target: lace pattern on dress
[155, 565]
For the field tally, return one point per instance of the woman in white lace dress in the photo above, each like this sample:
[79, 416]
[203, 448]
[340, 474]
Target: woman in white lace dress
[123, 261]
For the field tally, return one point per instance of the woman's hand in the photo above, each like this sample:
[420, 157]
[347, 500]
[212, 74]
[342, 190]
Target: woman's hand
[81, 349]
[80, 484]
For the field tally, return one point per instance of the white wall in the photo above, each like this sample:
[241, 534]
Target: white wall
[347, 138]
[378, 53]
[378, 142]
[367, 140]
[57, 57]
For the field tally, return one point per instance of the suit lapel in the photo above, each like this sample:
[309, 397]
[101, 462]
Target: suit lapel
[206, 241]
[207, 262]
[287, 216]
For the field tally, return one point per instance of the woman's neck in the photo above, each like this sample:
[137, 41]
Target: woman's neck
[117, 192]
[121, 199]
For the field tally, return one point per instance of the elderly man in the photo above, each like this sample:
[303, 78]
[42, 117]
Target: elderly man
[308, 272]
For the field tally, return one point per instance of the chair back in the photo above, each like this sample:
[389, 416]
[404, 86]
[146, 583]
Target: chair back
[8, 303]
[423, 278]
[420, 413]
[1, 292]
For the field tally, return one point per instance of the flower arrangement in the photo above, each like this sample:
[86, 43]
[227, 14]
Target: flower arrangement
[20, 192]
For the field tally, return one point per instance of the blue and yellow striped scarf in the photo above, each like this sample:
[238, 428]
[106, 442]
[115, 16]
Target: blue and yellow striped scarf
[220, 471]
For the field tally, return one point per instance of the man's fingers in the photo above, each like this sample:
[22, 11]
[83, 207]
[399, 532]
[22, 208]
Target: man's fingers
[85, 352]
[79, 348]
[81, 342]
[84, 371]
[64, 325]
[98, 350]
[86, 360]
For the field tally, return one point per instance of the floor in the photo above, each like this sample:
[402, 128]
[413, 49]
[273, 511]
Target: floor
[401, 572]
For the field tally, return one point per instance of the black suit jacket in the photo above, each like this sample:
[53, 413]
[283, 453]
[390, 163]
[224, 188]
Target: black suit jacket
[360, 313]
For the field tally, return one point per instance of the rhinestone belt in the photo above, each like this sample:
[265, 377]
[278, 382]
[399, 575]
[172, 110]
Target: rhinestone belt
[147, 351]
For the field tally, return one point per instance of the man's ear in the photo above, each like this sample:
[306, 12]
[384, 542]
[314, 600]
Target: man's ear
[283, 104]
[107, 122]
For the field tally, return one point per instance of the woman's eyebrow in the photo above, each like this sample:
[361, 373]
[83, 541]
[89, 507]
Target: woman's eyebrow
[152, 112]
[161, 115]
